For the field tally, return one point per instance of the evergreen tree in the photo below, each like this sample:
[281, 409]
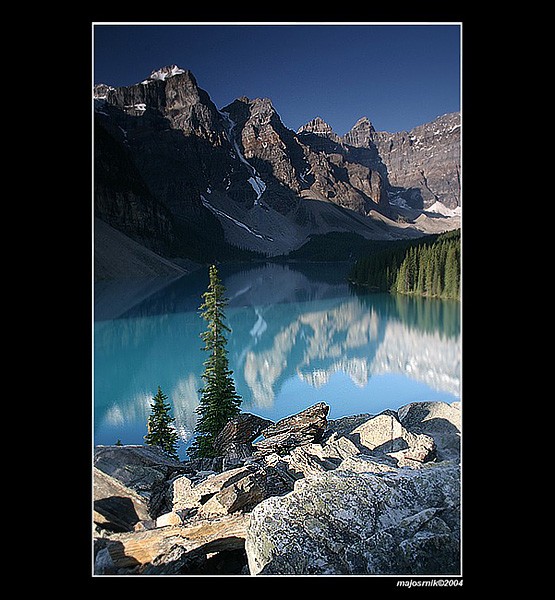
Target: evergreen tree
[452, 273]
[161, 431]
[219, 399]
[428, 267]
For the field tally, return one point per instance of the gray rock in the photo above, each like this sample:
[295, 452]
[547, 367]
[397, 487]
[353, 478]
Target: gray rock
[242, 429]
[238, 489]
[305, 427]
[439, 420]
[116, 507]
[244, 493]
[145, 469]
[205, 464]
[307, 461]
[103, 563]
[385, 434]
[187, 495]
[424, 162]
[363, 463]
[345, 425]
[235, 455]
[340, 522]
[338, 448]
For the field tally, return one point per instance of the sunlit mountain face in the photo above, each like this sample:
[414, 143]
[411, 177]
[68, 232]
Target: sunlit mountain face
[298, 336]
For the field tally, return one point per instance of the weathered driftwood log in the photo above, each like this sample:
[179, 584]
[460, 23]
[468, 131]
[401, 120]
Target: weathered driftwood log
[169, 549]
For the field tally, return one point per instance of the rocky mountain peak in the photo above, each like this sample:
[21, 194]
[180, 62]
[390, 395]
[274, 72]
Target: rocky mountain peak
[165, 72]
[317, 126]
[361, 134]
[100, 91]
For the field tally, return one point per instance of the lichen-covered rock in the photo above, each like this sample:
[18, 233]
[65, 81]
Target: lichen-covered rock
[340, 522]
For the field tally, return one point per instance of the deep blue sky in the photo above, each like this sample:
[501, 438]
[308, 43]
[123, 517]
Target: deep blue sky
[398, 76]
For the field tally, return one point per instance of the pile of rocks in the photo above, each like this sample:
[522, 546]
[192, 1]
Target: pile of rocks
[367, 494]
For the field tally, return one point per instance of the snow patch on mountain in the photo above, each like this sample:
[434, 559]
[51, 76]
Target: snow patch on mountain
[221, 213]
[255, 180]
[257, 185]
[166, 72]
[441, 209]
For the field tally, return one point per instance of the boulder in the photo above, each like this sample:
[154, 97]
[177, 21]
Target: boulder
[116, 507]
[228, 492]
[345, 425]
[145, 469]
[169, 518]
[305, 427]
[439, 420]
[384, 434]
[242, 429]
[235, 455]
[245, 493]
[339, 448]
[406, 521]
[187, 496]
[197, 465]
[304, 461]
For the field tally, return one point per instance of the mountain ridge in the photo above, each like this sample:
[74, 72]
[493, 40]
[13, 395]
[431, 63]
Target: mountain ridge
[238, 178]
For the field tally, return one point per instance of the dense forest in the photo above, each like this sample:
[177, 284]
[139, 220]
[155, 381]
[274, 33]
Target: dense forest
[426, 268]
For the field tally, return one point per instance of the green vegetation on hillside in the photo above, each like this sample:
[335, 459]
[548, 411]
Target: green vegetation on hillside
[425, 267]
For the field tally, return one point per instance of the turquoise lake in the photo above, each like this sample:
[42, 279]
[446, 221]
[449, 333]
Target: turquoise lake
[300, 335]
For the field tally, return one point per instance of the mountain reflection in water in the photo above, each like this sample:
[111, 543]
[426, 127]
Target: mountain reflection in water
[300, 334]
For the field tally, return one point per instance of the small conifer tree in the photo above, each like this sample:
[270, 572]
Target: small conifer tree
[219, 399]
[161, 431]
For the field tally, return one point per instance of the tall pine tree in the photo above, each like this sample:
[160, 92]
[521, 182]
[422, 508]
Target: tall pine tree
[161, 431]
[219, 399]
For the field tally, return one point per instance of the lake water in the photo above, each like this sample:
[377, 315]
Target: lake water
[300, 335]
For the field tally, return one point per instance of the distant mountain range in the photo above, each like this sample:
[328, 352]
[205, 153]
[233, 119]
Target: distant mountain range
[177, 178]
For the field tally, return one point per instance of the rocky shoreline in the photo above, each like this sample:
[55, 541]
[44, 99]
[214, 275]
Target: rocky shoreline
[360, 495]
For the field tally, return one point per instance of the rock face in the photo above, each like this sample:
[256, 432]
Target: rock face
[424, 164]
[188, 180]
[358, 495]
[342, 523]
[361, 135]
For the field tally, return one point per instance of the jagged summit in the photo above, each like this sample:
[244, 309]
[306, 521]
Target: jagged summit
[363, 123]
[100, 91]
[239, 177]
[165, 72]
[317, 126]
[361, 133]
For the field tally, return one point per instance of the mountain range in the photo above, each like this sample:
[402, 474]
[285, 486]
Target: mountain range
[178, 181]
